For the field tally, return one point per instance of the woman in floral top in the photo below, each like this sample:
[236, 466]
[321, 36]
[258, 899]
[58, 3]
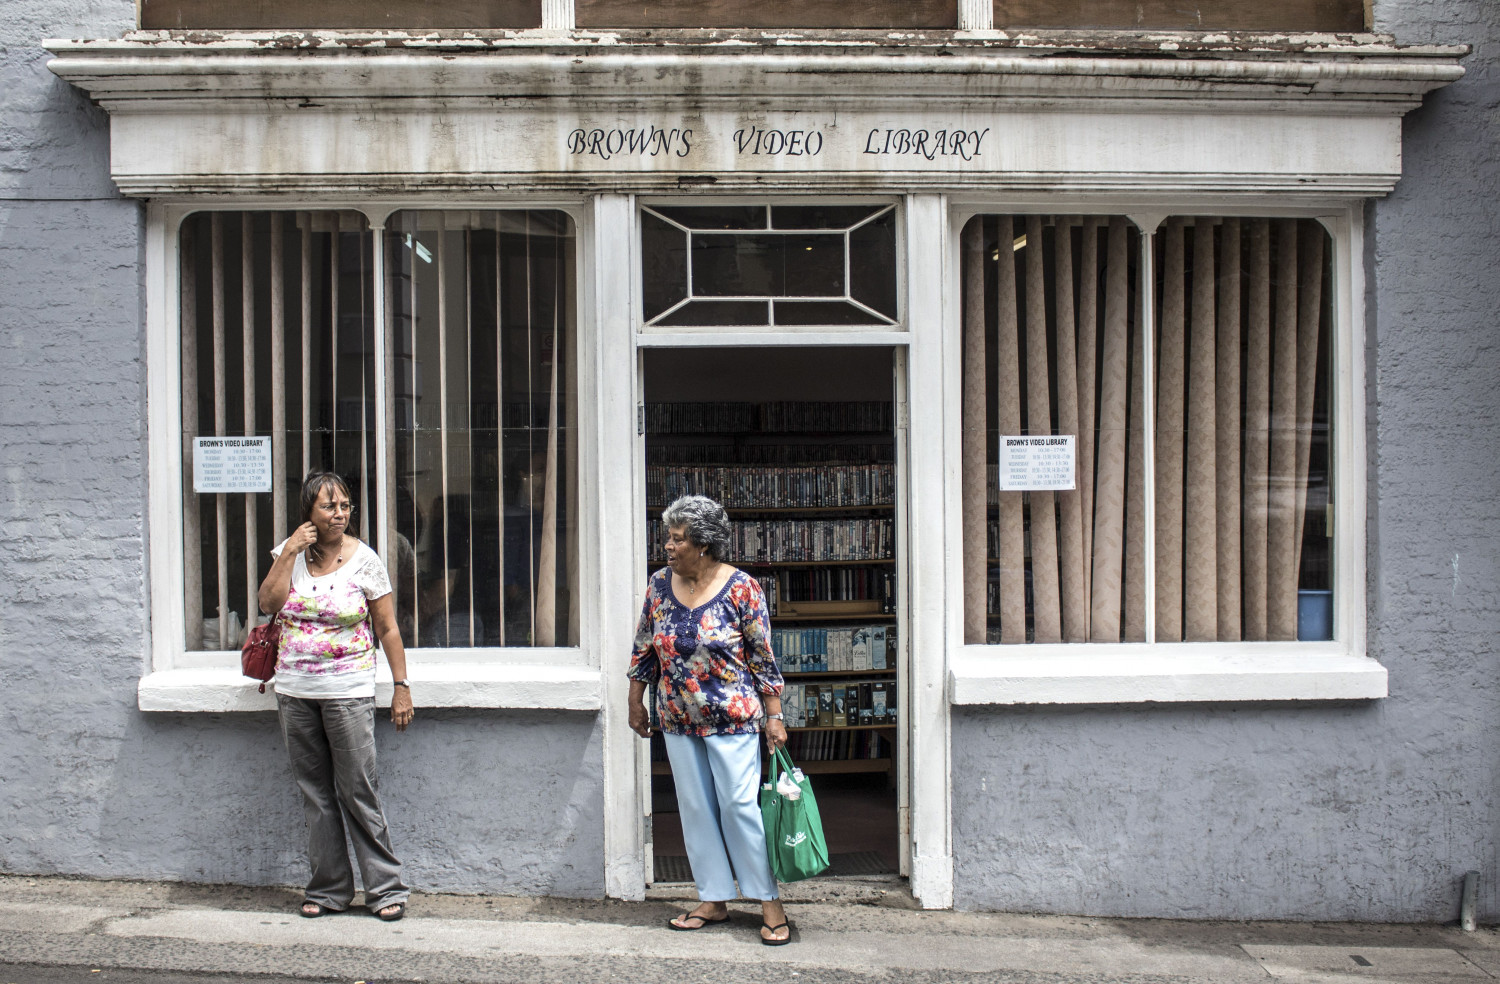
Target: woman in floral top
[334, 599]
[704, 639]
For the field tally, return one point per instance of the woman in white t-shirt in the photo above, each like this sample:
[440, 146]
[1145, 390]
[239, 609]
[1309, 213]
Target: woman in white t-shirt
[334, 598]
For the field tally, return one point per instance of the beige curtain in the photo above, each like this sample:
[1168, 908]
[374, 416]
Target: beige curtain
[546, 594]
[1233, 450]
[1052, 346]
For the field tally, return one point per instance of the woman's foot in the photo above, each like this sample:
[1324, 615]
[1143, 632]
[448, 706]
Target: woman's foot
[392, 912]
[707, 912]
[312, 910]
[774, 930]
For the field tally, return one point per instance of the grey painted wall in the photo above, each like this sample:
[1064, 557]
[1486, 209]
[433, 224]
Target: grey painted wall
[1370, 811]
[501, 802]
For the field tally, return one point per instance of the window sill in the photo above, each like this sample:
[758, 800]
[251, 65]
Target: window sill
[1130, 674]
[513, 685]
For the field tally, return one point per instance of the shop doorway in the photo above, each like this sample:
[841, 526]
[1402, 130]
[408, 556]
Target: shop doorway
[801, 446]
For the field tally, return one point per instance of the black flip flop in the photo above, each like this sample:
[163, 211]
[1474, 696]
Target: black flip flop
[707, 922]
[323, 910]
[785, 926]
[383, 916]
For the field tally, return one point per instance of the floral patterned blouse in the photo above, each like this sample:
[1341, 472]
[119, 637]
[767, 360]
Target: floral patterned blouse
[327, 639]
[711, 663]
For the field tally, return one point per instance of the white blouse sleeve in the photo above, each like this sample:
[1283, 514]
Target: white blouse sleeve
[372, 578]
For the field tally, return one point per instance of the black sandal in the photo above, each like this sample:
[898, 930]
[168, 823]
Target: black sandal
[322, 910]
[771, 942]
[704, 922]
[384, 916]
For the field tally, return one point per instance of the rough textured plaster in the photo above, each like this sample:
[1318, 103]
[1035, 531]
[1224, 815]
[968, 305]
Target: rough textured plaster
[1360, 812]
[54, 144]
[499, 802]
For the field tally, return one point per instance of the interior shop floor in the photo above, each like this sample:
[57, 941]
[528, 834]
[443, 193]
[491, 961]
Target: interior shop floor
[859, 820]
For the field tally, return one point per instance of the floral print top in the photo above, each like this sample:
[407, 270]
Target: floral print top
[327, 639]
[710, 663]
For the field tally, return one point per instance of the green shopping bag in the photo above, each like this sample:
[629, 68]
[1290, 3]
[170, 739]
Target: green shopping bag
[794, 831]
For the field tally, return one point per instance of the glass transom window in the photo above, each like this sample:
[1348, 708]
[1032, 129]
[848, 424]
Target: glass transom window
[769, 266]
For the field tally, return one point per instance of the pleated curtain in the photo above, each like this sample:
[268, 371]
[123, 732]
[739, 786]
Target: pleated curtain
[1052, 345]
[1242, 324]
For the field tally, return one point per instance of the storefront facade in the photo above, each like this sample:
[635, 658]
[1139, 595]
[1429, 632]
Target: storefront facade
[524, 225]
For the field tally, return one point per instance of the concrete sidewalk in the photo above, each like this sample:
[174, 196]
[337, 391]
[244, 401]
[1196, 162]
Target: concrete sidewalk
[844, 931]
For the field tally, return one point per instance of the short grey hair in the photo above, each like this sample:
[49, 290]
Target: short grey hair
[707, 523]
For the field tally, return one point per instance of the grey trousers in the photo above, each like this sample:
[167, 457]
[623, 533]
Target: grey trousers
[332, 747]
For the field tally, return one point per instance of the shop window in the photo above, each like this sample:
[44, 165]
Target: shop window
[769, 265]
[1238, 465]
[279, 340]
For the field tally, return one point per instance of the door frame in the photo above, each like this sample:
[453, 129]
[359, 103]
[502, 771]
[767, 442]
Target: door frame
[919, 365]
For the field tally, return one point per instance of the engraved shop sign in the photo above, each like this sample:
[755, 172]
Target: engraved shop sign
[797, 141]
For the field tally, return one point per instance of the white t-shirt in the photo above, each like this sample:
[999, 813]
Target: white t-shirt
[327, 636]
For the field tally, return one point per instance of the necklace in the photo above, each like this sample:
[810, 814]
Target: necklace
[701, 583]
[318, 556]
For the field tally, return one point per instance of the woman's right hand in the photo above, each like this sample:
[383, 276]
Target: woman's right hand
[302, 537]
[640, 719]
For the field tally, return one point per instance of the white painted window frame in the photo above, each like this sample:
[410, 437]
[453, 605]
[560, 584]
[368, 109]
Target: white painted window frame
[1104, 673]
[563, 677]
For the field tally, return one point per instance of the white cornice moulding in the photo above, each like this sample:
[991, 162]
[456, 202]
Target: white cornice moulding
[333, 67]
[371, 117]
[1128, 674]
[494, 685]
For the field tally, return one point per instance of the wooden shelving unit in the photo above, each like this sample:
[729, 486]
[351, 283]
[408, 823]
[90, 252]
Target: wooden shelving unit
[749, 456]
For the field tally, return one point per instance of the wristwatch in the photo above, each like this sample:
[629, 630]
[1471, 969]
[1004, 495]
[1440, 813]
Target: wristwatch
[778, 716]
[401, 683]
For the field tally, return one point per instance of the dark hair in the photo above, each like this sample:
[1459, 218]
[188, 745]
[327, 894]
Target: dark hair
[313, 486]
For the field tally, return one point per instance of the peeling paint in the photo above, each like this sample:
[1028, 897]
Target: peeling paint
[1166, 44]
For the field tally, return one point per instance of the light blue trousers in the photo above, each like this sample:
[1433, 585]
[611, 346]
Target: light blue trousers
[718, 787]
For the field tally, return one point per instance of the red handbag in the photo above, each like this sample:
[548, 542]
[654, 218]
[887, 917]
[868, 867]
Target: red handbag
[258, 654]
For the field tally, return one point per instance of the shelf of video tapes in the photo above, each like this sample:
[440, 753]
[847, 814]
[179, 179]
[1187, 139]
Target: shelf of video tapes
[782, 417]
[840, 697]
[829, 593]
[835, 649]
[849, 724]
[856, 702]
[831, 750]
[782, 541]
[772, 487]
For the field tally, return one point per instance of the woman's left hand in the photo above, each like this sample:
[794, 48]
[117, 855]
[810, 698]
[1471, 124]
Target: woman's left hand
[401, 708]
[775, 734]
